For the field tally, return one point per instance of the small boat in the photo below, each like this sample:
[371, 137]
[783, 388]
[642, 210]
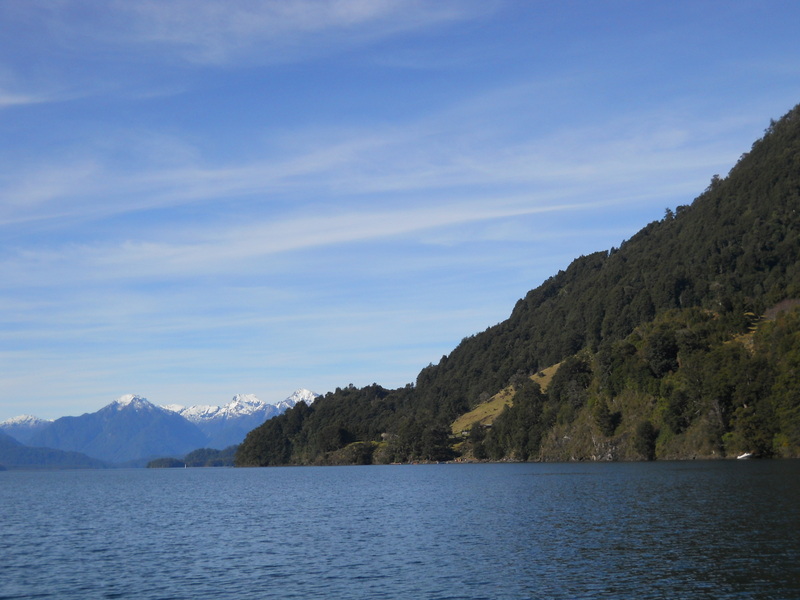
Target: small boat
[745, 456]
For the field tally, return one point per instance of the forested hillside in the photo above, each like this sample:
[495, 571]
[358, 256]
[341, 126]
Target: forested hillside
[661, 358]
[680, 387]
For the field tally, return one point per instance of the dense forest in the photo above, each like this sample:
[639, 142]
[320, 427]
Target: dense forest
[202, 457]
[683, 342]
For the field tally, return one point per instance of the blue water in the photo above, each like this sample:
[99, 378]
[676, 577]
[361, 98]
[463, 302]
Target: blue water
[638, 530]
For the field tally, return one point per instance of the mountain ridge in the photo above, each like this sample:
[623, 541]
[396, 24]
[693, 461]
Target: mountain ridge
[23, 427]
[228, 424]
[131, 429]
[128, 429]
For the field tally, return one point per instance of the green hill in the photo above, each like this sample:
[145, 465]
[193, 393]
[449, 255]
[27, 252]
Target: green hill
[650, 338]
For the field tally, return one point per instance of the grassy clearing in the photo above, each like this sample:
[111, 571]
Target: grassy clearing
[545, 376]
[486, 413]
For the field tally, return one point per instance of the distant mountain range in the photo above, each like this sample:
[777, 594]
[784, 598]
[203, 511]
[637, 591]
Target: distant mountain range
[132, 430]
[227, 425]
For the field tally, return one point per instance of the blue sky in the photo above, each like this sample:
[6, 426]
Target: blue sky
[199, 199]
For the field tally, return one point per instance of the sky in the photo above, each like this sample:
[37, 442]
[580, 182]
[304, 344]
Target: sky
[200, 199]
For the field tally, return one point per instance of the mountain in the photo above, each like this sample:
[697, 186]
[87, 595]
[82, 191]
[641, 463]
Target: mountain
[129, 429]
[23, 427]
[6, 442]
[14, 455]
[132, 430]
[301, 395]
[664, 344]
[227, 425]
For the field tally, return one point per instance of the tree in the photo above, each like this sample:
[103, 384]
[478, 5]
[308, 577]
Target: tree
[605, 419]
[645, 440]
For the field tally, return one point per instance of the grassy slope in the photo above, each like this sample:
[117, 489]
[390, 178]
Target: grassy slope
[486, 412]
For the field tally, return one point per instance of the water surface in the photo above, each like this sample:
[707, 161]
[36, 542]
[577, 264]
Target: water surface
[721, 530]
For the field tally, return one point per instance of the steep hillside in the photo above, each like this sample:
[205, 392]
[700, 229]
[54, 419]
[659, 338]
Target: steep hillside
[682, 386]
[734, 252]
[735, 249]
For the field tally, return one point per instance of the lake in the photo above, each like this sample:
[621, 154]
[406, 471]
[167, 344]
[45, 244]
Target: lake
[708, 529]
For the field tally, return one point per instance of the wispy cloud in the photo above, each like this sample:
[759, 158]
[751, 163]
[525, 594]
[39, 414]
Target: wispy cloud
[240, 31]
[270, 32]
[9, 99]
[422, 161]
[215, 249]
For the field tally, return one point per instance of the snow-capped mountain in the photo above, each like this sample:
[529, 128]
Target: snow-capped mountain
[301, 395]
[242, 405]
[133, 401]
[229, 424]
[129, 429]
[23, 427]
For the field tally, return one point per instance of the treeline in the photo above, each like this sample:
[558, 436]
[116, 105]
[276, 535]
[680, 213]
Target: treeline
[349, 426]
[733, 253]
[202, 457]
[685, 385]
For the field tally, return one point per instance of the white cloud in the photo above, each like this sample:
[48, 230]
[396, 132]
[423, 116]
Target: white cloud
[420, 161]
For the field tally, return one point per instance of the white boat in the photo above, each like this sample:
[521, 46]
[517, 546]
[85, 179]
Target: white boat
[745, 456]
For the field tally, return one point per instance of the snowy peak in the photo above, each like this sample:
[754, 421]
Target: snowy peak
[25, 421]
[198, 413]
[242, 405]
[132, 401]
[302, 395]
[24, 427]
[132, 428]
[128, 429]
[246, 399]
[229, 424]
[125, 399]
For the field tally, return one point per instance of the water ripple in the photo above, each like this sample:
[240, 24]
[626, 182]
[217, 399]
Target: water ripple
[719, 530]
